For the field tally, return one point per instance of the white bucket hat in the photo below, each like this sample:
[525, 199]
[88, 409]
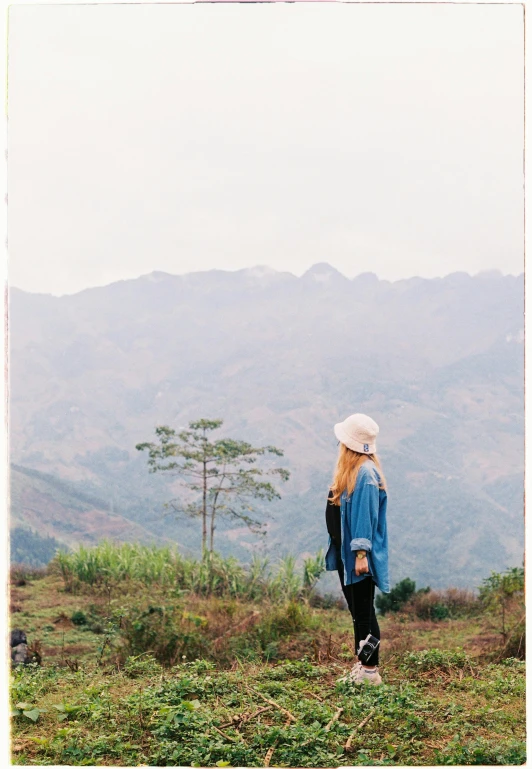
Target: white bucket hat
[358, 432]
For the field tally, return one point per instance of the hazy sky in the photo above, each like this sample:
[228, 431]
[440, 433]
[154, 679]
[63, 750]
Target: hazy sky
[386, 138]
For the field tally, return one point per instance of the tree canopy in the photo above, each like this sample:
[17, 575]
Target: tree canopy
[221, 476]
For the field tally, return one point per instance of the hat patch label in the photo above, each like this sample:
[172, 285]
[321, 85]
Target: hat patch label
[366, 447]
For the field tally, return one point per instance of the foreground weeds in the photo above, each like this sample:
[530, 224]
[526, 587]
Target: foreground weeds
[291, 713]
[148, 674]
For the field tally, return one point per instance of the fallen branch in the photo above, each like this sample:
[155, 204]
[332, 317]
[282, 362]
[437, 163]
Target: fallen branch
[244, 719]
[275, 704]
[347, 745]
[334, 718]
[311, 694]
[269, 754]
[256, 713]
[235, 721]
[226, 736]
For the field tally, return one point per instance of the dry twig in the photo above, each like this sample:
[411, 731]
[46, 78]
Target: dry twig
[311, 694]
[347, 745]
[275, 704]
[244, 719]
[256, 713]
[334, 718]
[224, 735]
[269, 754]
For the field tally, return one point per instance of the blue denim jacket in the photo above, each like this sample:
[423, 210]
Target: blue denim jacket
[363, 523]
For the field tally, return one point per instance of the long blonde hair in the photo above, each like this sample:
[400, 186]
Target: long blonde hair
[345, 473]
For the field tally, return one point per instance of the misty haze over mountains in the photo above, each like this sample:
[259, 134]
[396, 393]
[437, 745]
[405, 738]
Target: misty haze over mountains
[438, 363]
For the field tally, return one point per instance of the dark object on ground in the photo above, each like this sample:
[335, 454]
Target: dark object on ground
[18, 637]
[20, 654]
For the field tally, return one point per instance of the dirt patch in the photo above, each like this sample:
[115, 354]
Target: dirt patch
[481, 644]
[63, 621]
[67, 650]
[395, 629]
[23, 744]
[422, 625]
[18, 595]
[54, 604]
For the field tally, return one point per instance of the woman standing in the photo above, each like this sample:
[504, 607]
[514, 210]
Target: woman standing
[358, 537]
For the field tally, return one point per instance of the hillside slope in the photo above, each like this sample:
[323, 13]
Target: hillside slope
[53, 508]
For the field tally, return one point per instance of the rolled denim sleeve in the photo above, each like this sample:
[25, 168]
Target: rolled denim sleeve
[364, 510]
[361, 544]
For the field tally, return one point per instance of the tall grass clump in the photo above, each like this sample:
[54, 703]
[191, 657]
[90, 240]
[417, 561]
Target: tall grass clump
[109, 564]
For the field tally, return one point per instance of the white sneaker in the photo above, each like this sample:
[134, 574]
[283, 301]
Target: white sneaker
[353, 673]
[362, 676]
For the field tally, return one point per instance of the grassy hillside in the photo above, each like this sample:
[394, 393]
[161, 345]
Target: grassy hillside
[181, 667]
[55, 508]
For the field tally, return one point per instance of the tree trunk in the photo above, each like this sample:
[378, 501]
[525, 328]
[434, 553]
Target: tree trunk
[204, 512]
[213, 510]
[211, 548]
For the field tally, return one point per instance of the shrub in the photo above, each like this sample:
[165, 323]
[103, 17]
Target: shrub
[327, 601]
[141, 665]
[397, 597]
[262, 641]
[434, 659]
[168, 632]
[288, 619]
[499, 588]
[20, 574]
[79, 617]
[442, 604]
[502, 595]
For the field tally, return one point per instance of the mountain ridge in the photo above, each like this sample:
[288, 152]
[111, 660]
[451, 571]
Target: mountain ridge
[437, 362]
[262, 270]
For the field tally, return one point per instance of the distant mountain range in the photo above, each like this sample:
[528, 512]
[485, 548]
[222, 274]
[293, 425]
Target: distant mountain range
[438, 363]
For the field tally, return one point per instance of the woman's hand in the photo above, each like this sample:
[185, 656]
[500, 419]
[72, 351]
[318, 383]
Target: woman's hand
[361, 566]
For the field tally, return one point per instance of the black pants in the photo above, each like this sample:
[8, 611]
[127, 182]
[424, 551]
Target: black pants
[360, 598]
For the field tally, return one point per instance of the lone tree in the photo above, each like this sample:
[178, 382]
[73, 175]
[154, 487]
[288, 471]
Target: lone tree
[221, 474]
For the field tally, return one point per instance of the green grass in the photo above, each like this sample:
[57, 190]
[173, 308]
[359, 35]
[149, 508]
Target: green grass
[200, 715]
[99, 698]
